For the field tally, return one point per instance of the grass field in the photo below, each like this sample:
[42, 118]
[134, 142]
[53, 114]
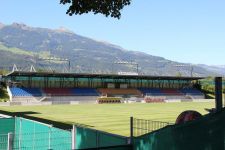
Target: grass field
[113, 118]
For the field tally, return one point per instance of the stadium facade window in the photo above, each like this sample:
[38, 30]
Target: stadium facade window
[96, 80]
[38, 78]
[19, 78]
[54, 79]
[108, 80]
[82, 79]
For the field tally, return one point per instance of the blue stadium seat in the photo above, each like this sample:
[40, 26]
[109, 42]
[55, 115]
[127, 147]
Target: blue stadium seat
[26, 92]
[85, 92]
[151, 91]
[191, 91]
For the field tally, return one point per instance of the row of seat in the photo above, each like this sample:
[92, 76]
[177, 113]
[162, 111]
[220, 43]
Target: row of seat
[169, 92]
[96, 92]
[191, 91]
[38, 92]
[26, 92]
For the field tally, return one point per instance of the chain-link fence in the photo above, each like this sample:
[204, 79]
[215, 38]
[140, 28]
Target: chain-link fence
[3, 141]
[41, 140]
[142, 126]
[24, 134]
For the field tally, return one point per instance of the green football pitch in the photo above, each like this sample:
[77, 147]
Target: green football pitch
[113, 118]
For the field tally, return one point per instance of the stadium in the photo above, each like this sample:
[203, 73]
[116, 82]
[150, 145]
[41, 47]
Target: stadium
[100, 88]
[112, 75]
[96, 111]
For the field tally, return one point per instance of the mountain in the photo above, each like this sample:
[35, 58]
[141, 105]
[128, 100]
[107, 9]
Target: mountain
[1, 25]
[218, 69]
[25, 46]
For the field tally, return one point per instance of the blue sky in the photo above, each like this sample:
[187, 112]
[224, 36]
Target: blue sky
[190, 31]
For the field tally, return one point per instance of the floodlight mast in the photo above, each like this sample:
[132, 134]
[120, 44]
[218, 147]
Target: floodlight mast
[128, 63]
[58, 59]
[182, 65]
[191, 67]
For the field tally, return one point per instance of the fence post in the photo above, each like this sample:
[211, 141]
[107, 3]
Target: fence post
[49, 138]
[10, 141]
[20, 133]
[218, 93]
[131, 130]
[73, 137]
[34, 131]
[97, 139]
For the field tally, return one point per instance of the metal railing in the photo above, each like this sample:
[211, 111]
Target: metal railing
[142, 126]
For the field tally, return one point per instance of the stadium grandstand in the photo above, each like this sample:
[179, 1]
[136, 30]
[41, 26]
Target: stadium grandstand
[67, 87]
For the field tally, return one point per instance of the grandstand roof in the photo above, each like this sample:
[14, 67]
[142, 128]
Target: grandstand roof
[85, 75]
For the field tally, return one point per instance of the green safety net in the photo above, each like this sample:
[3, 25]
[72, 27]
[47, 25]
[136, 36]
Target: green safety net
[29, 134]
[35, 135]
[61, 139]
[3, 141]
[7, 125]
[207, 133]
[89, 138]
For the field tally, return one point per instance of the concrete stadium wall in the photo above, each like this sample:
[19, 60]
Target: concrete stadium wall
[54, 99]
[173, 101]
[80, 99]
[197, 97]
[36, 103]
[26, 99]
[4, 103]
[203, 100]
[24, 103]
[175, 97]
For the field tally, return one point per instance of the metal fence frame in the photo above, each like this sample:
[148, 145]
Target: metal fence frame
[142, 126]
[18, 138]
[30, 134]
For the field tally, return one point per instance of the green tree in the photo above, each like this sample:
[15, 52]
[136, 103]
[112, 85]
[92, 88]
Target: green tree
[178, 74]
[106, 7]
[3, 72]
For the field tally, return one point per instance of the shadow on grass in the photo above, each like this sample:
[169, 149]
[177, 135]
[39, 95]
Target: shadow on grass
[81, 125]
[26, 114]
